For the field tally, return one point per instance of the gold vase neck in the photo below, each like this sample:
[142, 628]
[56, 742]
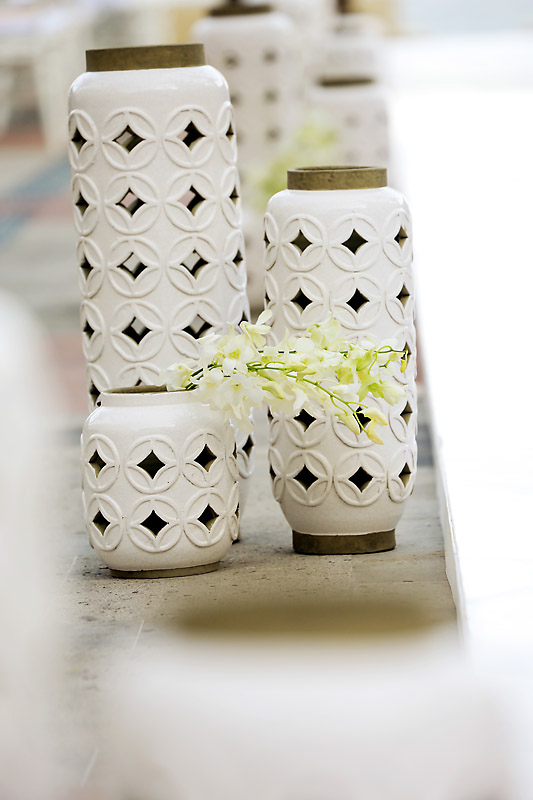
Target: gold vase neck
[165, 56]
[330, 178]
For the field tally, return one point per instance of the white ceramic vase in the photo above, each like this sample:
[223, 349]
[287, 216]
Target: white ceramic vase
[157, 210]
[256, 50]
[352, 47]
[259, 53]
[160, 488]
[356, 110]
[338, 243]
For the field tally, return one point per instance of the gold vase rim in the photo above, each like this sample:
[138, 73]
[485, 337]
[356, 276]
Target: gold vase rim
[336, 81]
[238, 9]
[166, 56]
[336, 177]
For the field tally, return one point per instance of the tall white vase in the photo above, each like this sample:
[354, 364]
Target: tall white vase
[338, 242]
[157, 210]
[259, 53]
[160, 490]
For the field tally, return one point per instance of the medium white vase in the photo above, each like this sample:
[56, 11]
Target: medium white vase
[356, 110]
[157, 210]
[160, 488]
[338, 243]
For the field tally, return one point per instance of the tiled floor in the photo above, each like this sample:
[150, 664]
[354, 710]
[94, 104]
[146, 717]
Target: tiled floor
[103, 617]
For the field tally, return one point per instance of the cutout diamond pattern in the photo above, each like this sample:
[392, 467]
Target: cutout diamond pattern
[97, 463]
[270, 56]
[273, 134]
[301, 242]
[238, 259]
[248, 446]
[136, 330]
[151, 464]
[407, 413]
[208, 517]
[271, 96]
[194, 263]
[128, 139]
[88, 330]
[94, 393]
[78, 140]
[205, 458]
[272, 473]
[131, 203]
[231, 60]
[81, 203]
[361, 479]
[305, 418]
[198, 327]
[401, 236]
[266, 239]
[354, 242]
[230, 133]
[86, 268]
[192, 199]
[362, 417]
[405, 474]
[154, 524]
[190, 135]
[301, 300]
[132, 266]
[305, 478]
[357, 301]
[234, 196]
[403, 295]
[101, 523]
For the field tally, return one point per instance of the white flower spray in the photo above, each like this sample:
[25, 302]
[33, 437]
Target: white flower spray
[317, 371]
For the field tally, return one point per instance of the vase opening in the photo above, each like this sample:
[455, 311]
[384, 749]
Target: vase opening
[336, 177]
[141, 395]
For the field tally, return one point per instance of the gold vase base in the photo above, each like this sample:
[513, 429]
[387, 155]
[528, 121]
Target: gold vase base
[333, 544]
[179, 572]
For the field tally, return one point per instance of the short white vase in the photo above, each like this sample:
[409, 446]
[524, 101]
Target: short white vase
[160, 488]
[157, 210]
[338, 243]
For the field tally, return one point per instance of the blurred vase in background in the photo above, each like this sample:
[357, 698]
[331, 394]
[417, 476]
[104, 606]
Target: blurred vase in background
[31, 665]
[259, 52]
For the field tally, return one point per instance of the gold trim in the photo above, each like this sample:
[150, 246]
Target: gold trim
[324, 178]
[344, 81]
[179, 572]
[316, 544]
[234, 9]
[166, 56]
